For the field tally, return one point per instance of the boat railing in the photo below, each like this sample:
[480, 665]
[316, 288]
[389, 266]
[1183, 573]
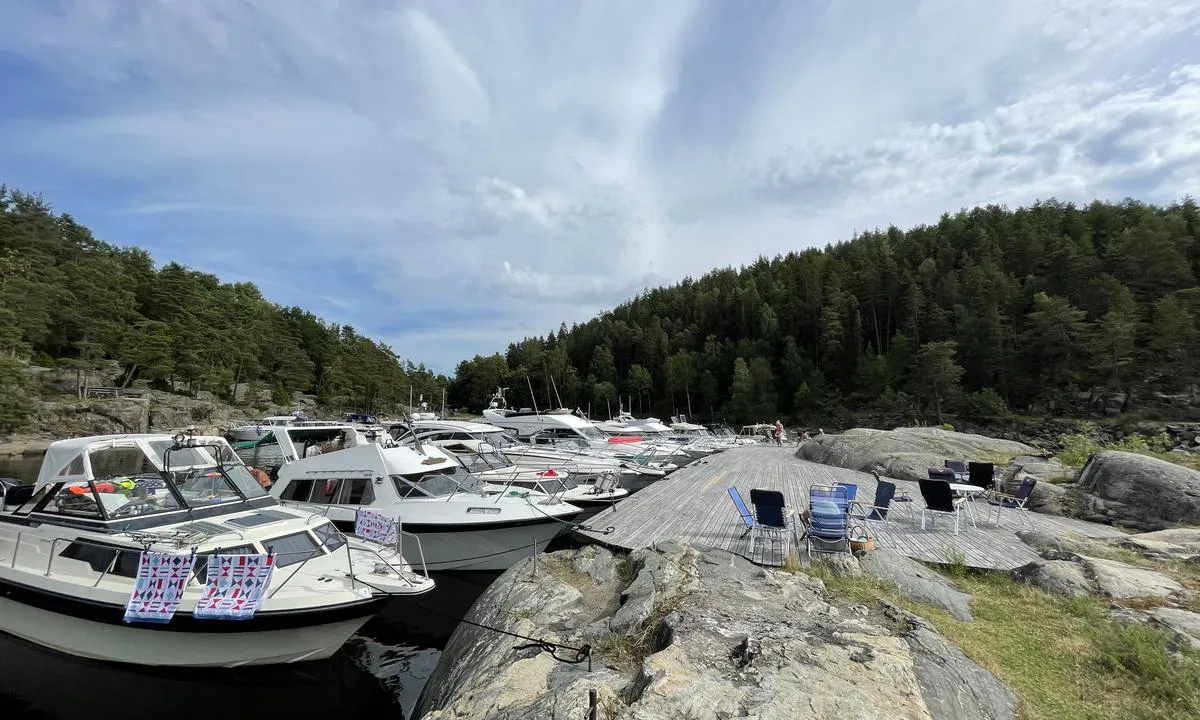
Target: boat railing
[399, 548]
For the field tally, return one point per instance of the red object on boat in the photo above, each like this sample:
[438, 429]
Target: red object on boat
[549, 473]
[625, 439]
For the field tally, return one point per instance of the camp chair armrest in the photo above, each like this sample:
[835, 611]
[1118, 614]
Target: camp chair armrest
[1004, 496]
[866, 508]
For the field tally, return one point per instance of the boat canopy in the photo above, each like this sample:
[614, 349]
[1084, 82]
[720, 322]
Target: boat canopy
[80, 458]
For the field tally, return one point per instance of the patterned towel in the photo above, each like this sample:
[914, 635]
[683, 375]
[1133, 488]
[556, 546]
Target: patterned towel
[236, 587]
[158, 587]
[370, 525]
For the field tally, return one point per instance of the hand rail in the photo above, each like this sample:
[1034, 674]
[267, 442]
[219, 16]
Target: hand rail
[16, 549]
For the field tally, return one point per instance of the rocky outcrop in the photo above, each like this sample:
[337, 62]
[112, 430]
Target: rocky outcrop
[1057, 577]
[1174, 544]
[1149, 591]
[907, 453]
[153, 411]
[917, 582]
[680, 632]
[1139, 491]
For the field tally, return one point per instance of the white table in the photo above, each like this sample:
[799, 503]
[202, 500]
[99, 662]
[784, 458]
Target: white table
[971, 491]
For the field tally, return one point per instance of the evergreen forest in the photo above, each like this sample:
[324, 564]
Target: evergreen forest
[1044, 310]
[68, 300]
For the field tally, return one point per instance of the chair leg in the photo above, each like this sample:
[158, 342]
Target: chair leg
[922, 518]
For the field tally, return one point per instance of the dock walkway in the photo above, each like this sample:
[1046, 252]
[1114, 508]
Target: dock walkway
[692, 505]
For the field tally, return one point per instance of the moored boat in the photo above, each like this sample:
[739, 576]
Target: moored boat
[158, 550]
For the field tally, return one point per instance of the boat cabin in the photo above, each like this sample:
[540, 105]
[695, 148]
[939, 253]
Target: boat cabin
[127, 482]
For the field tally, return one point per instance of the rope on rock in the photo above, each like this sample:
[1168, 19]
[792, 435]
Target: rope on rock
[581, 653]
[578, 526]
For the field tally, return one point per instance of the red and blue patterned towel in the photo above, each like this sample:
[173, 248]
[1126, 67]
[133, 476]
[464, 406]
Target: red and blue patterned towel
[236, 587]
[158, 587]
[371, 525]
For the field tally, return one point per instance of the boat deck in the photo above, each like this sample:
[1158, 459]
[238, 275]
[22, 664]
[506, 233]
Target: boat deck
[692, 505]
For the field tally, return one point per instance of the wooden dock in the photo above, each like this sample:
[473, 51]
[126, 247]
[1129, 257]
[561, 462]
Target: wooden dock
[692, 505]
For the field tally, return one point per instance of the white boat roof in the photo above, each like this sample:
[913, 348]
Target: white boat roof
[686, 426]
[363, 456]
[464, 425]
[62, 454]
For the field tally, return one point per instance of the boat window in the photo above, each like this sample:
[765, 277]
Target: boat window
[298, 490]
[324, 492]
[76, 499]
[200, 569]
[145, 495]
[99, 557]
[590, 432]
[552, 485]
[204, 487]
[245, 482]
[292, 549]
[357, 491]
[40, 495]
[75, 468]
[331, 538]
[499, 439]
[181, 458]
[406, 489]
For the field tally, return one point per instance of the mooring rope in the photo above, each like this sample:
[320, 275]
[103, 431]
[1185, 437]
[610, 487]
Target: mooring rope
[578, 526]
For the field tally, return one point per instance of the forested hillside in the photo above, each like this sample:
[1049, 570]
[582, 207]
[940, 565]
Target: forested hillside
[988, 310]
[71, 300]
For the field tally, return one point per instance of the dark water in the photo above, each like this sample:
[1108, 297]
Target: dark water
[380, 671]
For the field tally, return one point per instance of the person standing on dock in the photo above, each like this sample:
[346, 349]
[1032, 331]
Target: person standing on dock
[778, 433]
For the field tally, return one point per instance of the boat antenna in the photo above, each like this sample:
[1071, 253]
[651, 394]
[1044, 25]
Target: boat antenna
[560, 402]
[532, 397]
[416, 440]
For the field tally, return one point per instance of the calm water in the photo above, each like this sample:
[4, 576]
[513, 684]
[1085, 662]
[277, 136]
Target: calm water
[380, 671]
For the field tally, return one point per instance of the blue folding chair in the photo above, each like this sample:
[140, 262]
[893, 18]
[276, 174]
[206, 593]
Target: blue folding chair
[772, 517]
[827, 530]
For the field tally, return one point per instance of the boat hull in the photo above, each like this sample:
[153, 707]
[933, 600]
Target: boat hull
[194, 647]
[478, 547]
[247, 433]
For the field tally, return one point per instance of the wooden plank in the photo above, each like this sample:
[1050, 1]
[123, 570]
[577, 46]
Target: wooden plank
[692, 505]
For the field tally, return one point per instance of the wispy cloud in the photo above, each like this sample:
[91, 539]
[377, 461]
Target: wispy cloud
[453, 175]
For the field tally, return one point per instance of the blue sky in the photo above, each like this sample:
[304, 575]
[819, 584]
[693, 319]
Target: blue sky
[451, 176]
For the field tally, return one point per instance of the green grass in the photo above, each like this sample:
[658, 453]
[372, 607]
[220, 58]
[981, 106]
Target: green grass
[1076, 447]
[1067, 659]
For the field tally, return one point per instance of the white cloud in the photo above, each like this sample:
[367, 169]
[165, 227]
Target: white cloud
[453, 175]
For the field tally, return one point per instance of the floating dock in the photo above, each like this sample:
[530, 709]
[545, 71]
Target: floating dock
[692, 506]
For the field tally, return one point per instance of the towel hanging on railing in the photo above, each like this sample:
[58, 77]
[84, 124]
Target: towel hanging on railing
[375, 526]
[158, 587]
[236, 587]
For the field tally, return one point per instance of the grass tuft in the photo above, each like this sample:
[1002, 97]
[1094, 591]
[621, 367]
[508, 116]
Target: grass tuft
[1067, 658]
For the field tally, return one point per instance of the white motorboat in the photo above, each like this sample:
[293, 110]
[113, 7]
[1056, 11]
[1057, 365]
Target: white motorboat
[247, 432]
[462, 523]
[581, 436]
[467, 442]
[157, 550]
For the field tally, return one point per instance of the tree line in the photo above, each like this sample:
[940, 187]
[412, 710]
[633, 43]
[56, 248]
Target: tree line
[986, 311]
[71, 301]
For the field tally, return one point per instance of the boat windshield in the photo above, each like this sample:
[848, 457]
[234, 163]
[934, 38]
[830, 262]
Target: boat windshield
[589, 432]
[439, 483]
[500, 440]
[477, 462]
[554, 485]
